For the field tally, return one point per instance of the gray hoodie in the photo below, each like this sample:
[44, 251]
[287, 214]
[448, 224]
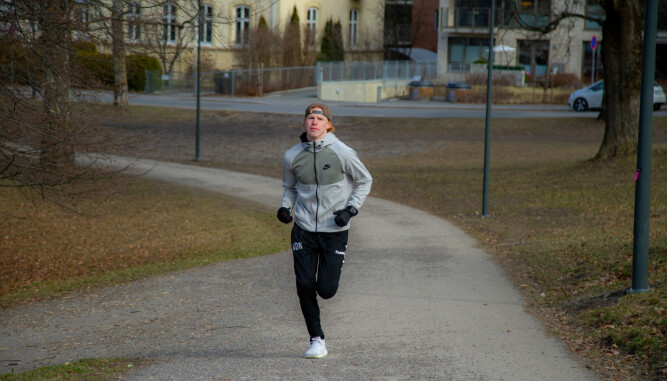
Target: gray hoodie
[319, 178]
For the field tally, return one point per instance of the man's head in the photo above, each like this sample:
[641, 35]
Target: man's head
[317, 121]
[323, 109]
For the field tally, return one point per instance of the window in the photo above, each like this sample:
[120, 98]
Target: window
[311, 24]
[535, 12]
[81, 19]
[134, 22]
[593, 9]
[467, 50]
[534, 56]
[206, 31]
[354, 27]
[591, 65]
[169, 26]
[242, 25]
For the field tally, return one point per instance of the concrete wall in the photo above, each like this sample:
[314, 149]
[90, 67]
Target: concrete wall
[361, 91]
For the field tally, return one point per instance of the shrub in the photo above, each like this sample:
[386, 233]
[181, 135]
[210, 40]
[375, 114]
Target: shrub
[568, 80]
[100, 67]
[136, 70]
[96, 67]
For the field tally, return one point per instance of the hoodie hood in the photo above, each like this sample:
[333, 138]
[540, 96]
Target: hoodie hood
[328, 140]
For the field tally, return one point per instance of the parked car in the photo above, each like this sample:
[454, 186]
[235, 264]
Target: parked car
[591, 97]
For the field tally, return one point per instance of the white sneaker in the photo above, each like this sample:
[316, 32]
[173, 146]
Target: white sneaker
[317, 349]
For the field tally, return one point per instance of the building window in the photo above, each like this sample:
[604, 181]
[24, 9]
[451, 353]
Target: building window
[354, 27]
[534, 56]
[535, 12]
[464, 51]
[81, 19]
[169, 26]
[242, 25]
[134, 22]
[206, 31]
[592, 58]
[311, 24]
[593, 9]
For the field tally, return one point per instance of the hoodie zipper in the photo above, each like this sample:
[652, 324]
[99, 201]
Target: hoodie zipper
[317, 186]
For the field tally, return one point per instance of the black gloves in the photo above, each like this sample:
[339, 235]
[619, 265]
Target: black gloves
[343, 216]
[284, 215]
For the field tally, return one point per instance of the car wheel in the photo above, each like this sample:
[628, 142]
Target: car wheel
[656, 106]
[580, 104]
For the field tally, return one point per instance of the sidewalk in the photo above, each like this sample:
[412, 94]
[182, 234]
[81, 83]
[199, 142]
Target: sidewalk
[418, 300]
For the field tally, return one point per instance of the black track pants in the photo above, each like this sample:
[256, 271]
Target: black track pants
[318, 262]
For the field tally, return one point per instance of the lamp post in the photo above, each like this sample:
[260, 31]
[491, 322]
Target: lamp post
[643, 174]
[197, 83]
[489, 99]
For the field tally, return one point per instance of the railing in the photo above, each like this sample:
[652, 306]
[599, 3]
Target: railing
[254, 82]
[377, 70]
[234, 82]
[465, 18]
[477, 20]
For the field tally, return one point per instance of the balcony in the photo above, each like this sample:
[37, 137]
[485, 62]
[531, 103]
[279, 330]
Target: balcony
[472, 20]
[465, 19]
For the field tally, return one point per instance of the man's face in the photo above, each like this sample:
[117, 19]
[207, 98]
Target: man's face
[316, 126]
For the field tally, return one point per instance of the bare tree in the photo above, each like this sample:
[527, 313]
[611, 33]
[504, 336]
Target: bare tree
[42, 127]
[621, 57]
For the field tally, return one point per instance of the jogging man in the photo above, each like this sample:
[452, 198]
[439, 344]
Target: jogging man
[325, 184]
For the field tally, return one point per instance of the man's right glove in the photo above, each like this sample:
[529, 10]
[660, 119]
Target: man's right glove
[284, 215]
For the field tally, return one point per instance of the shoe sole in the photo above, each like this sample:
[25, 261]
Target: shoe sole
[316, 356]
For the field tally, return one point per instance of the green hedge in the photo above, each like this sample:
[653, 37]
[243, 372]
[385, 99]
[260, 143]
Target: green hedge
[136, 70]
[100, 67]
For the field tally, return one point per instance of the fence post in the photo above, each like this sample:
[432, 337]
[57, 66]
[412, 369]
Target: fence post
[233, 81]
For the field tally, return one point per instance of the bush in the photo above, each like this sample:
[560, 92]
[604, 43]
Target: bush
[568, 80]
[100, 67]
[97, 68]
[136, 70]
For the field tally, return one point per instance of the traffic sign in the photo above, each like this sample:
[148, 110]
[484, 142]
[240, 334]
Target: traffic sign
[594, 42]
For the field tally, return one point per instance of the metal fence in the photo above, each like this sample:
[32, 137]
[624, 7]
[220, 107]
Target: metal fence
[254, 82]
[249, 82]
[378, 70]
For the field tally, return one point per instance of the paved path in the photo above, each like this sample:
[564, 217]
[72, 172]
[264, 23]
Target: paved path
[418, 300]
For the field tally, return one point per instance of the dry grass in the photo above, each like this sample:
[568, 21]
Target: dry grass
[146, 228]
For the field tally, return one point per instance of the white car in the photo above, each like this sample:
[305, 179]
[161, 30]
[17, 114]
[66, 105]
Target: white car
[591, 97]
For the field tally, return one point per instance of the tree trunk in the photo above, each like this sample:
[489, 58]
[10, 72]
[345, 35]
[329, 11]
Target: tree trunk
[622, 56]
[119, 65]
[57, 148]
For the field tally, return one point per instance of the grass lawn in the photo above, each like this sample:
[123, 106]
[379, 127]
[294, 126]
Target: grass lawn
[561, 224]
[82, 370]
[144, 228]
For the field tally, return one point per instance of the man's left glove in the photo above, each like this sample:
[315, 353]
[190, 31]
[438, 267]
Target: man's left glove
[284, 215]
[343, 216]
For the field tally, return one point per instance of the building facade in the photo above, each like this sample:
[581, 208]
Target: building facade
[464, 38]
[169, 28]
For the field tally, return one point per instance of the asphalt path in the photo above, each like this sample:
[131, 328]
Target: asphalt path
[294, 102]
[418, 300]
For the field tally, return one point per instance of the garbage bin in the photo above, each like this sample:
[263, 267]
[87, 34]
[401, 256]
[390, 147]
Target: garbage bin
[421, 89]
[454, 87]
[223, 83]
